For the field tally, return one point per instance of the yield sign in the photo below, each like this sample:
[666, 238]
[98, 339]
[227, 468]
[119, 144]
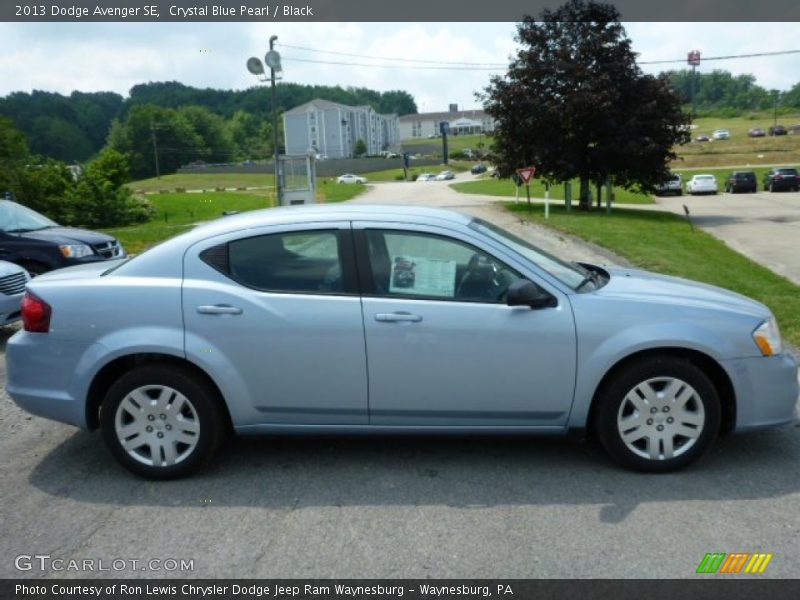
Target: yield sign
[526, 174]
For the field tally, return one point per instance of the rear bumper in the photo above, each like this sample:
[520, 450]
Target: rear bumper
[766, 391]
[50, 378]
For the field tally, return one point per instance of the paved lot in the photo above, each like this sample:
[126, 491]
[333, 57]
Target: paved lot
[413, 507]
[762, 226]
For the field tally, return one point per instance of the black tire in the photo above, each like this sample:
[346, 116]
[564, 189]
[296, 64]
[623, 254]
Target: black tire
[612, 404]
[206, 416]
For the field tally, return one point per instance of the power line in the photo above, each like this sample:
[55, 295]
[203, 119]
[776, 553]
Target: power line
[385, 66]
[398, 59]
[442, 65]
[732, 56]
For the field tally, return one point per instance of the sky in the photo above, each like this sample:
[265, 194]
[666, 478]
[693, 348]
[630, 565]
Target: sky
[61, 57]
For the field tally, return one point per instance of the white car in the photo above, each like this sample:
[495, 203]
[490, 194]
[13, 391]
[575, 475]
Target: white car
[702, 184]
[721, 134]
[445, 175]
[350, 178]
[13, 279]
[426, 177]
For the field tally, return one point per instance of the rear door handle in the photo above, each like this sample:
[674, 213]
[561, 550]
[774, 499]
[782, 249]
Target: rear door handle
[219, 309]
[398, 317]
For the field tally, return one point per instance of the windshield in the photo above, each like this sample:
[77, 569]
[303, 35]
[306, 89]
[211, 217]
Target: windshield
[15, 218]
[572, 275]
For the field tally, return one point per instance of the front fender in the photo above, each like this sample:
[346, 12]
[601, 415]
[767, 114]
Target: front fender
[595, 361]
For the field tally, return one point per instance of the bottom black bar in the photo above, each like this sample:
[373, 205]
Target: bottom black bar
[729, 588]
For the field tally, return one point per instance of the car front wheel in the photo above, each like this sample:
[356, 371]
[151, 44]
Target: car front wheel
[659, 414]
[160, 422]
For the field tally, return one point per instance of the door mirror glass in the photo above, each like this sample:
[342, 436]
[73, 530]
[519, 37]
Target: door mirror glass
[526, 293]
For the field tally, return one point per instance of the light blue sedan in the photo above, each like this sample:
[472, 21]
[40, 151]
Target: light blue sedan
[385, 320]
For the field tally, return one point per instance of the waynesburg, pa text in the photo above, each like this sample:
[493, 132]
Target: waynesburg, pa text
[256, 590]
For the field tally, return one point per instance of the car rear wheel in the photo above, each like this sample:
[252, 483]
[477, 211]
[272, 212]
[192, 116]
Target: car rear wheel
[657, 415]
[161, 422]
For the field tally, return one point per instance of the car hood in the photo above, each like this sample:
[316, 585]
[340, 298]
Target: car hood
[68, 235]
[644, 286]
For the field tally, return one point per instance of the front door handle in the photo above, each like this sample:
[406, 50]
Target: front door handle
[398, 317]
[219, 309]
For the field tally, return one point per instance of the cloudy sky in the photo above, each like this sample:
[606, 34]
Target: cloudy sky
[62, 57]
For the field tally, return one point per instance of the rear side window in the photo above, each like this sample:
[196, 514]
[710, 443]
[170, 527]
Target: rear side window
[304, 262]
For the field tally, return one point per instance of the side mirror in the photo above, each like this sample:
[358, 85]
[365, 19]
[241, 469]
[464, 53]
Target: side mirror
[526, 293]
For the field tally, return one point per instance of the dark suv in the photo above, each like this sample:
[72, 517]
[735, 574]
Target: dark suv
[782, 178]
[741, 181]
[39, 245]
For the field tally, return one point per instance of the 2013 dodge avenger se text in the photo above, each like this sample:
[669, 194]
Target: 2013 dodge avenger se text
[293, 321]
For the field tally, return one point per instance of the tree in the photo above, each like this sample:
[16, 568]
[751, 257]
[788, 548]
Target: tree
[575, 104]
[13, 153]
[360, 149]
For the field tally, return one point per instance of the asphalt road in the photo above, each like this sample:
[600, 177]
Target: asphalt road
[401, 507]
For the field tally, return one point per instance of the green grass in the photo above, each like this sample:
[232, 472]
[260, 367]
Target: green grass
[203, 181]
[455, 143]
[665, 243]
[491, 186]
[740, 149]
[178, 212]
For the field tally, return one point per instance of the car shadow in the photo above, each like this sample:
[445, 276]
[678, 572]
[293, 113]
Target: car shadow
[6, 331]
[411, 471]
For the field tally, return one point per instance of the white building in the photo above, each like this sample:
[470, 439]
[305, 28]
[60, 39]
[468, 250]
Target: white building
[333, 129]
[462, 122]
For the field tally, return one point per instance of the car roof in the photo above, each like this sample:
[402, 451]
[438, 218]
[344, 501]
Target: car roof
[314, 213]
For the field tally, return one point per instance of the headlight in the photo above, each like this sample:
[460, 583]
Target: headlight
[75, 250]
[768, 338]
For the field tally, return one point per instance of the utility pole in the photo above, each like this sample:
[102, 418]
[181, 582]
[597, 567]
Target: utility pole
[155, 149]
[275, 123]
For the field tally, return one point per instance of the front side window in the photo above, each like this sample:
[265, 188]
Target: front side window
[410, 264]
[295, 262]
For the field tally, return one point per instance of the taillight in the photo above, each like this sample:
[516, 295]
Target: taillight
[35, 314]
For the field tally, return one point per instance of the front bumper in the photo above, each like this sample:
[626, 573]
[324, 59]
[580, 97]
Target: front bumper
[767, 391]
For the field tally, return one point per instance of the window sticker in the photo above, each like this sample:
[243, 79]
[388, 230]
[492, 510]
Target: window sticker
[423, 276]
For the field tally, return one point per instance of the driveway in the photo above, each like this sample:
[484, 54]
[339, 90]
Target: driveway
[763, 226]
[401, 507]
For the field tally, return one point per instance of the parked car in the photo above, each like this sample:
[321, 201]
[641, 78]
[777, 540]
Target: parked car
[721, 134]
[702, 138]
[12, 287]
[794, 130]
[284, 320]
[782, 178]
[756, 132]
[741, 181]
[673, 185]
[478, 169]
[39, 244]
[777, 130]
[445, 175]
[702, 184]
[426, 177]
[350, 178]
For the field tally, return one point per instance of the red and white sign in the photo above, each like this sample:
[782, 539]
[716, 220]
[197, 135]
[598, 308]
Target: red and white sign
[526, 174]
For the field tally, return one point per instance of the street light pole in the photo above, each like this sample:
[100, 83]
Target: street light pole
[256, 67]
[275, 123]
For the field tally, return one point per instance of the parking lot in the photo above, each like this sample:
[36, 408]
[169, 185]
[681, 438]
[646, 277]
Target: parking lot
[763, 226]
[395, 507]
